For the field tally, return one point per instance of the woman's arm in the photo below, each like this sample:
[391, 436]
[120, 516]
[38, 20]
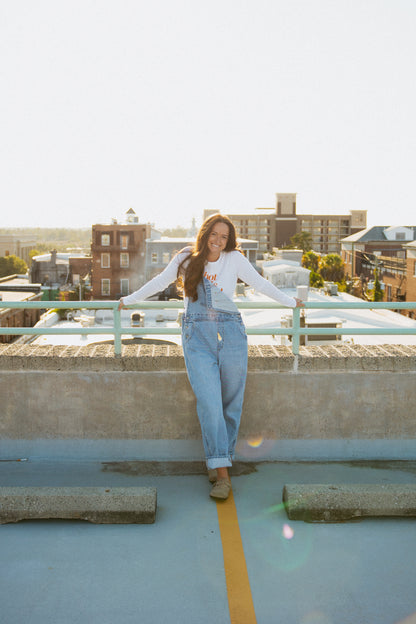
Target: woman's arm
[158, 283]
[250, 276]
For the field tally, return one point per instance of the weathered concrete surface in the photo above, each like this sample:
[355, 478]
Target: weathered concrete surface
[100, 505]
[338, 503]
[329, 398]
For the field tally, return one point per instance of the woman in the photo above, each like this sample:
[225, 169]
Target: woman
[213, 335]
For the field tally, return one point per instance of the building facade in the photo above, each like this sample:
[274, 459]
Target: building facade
[275, 227]
[19, 246]
[14, 288]
[390, 250]
[118, 253]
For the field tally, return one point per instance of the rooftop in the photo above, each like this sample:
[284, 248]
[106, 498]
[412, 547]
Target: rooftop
[176, 569]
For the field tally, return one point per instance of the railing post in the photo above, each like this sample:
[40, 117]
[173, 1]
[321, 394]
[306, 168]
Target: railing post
[296, 327]
[117, 329]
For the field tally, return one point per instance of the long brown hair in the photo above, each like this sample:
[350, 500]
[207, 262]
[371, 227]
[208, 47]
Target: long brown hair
[195, 262]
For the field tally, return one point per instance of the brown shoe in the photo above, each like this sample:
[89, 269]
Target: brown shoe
[221, 489]
[212, 475]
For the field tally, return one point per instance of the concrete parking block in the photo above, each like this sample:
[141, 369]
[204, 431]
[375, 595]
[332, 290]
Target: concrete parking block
[100, 505]
[341, 502]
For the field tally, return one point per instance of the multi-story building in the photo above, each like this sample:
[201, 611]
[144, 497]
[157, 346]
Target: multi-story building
[359, 250]
[118, 255]
[19, 246]
[328, 230]
[411, 274]
[390, 250]
[274, 227]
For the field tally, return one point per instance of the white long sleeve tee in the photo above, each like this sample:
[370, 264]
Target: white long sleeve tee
[223, 273]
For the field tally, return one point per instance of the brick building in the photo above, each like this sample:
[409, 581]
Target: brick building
[411, 274]
[392, 249]
[118, 255]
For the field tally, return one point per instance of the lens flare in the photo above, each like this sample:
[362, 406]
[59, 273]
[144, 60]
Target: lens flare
[287, 531]
[255, 442]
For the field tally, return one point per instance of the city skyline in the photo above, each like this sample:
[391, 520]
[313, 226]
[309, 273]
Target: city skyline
[179, 107]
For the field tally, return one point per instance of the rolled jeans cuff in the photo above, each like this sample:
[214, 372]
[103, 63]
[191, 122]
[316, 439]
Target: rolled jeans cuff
[218, 462]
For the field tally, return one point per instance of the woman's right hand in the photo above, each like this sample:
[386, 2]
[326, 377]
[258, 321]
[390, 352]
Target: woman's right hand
[121, 305]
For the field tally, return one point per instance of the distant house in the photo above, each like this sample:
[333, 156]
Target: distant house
[56, 269]
[20, 246]
[15, 288]
[387, 248]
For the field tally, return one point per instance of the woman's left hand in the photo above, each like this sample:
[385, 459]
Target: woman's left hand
[299, 303]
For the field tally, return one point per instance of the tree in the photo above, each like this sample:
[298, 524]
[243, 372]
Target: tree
[310, 260]
[332, 268]
[301, 240]
[10, 265]
[316, 280]
[377, 291]
[33, 253]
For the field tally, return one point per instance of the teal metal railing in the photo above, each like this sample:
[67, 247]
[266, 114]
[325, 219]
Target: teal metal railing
[296, 331]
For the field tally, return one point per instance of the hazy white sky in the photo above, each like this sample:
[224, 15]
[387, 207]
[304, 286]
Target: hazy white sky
[174, 106]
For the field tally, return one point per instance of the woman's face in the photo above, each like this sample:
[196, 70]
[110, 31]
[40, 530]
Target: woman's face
[217, 240]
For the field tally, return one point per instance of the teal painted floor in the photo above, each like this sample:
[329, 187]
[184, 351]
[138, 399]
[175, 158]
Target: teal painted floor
[74, 572]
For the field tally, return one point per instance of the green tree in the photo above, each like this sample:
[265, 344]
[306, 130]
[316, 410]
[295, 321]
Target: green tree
[301, 240]
[310, 260]
[316, 280]
[33, 253]
[332, 268]
[377, 291]
[9, 265]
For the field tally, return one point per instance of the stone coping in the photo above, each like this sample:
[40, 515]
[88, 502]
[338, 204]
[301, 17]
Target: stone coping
[145, 357]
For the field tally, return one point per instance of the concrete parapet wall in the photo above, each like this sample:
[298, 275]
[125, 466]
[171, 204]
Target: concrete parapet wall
[333, 402]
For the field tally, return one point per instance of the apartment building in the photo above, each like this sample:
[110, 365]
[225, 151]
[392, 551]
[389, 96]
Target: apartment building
[359, 249]
[274, 227]
[328, 230]
[411, 274]
[118, 253]
[390, 249]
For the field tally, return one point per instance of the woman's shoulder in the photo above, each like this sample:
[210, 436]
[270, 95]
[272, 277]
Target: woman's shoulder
[236, 255]
[185, 251]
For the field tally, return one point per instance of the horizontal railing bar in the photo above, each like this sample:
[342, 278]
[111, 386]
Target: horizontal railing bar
[117, 330]
[242, 305]
[283, 331]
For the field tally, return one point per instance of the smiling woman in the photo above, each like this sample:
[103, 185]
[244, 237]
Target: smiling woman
[214, 340]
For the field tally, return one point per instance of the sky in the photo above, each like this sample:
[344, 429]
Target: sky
[171, 107]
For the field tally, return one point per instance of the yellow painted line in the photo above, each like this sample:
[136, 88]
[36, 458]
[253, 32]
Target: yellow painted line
[240, 601]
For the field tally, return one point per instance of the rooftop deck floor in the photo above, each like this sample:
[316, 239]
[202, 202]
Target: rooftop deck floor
[173, 571]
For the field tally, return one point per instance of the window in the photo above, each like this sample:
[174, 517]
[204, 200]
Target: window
[124, 287]
[400, 236]
[105, 260]
[155, 257]
[124, 241]
[165, 257]
[124, 260]
[105, 286]
[105, 240]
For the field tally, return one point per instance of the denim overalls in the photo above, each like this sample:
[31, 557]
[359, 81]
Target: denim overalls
[215, 348]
